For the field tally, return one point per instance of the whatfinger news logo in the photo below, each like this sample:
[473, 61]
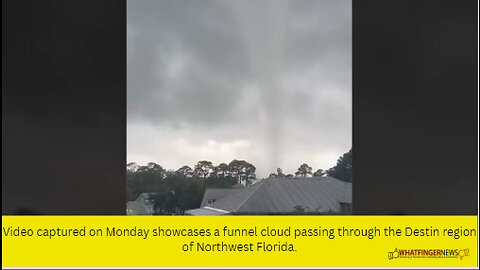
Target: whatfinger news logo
[428, 253]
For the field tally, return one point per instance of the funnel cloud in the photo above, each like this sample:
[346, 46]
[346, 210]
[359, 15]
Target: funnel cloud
[266, 81]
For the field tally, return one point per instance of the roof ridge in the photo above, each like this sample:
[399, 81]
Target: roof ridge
[248, 197]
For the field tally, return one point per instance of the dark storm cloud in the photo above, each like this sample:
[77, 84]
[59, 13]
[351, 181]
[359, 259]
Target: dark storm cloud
[210, 69]
[185, 62]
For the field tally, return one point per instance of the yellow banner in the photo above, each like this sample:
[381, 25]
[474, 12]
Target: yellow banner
[239, 241]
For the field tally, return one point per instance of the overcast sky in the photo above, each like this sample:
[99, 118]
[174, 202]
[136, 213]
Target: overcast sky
[265, 81]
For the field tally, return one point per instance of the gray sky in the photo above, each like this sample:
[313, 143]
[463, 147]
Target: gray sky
[268, 81]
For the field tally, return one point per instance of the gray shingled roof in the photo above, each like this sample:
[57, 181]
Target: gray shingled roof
[215, 194]
[145, 196]
[287, 195]
[136, 208]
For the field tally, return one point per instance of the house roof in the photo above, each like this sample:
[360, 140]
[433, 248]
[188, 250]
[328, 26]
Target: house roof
[206, 211]
[215, 194]
[145, 196]
[286, 195]
[136, 208]
[239, 185]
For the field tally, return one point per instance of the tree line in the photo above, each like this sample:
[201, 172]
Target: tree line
[182, 189]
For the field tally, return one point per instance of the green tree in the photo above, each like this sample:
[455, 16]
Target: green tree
[221, 177]
[192, 194]
[142, 179]
[243, 171]
[280, 173]
[132, 167]
[319, 173]
[152, 169]
[304, 170]
[185, 170]
[222, 170]
[203, 169]
[343, 169]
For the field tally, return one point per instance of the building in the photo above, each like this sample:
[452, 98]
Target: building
[143, 205]
[280, 196]
[214, 194]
